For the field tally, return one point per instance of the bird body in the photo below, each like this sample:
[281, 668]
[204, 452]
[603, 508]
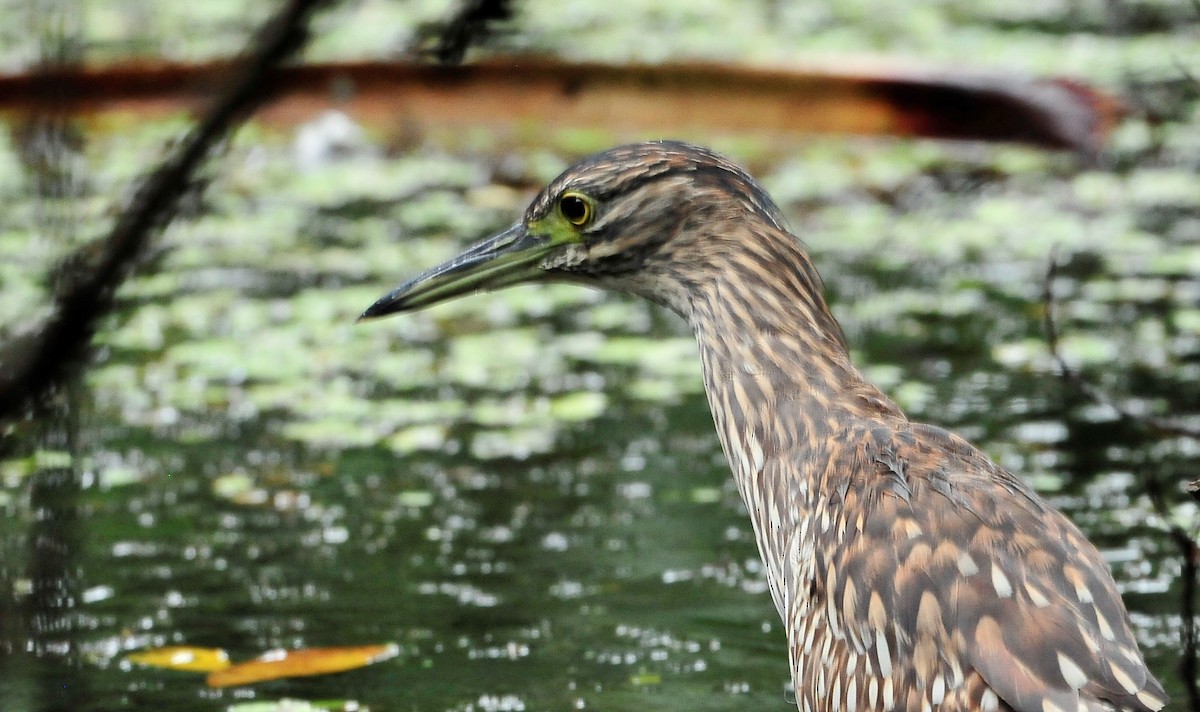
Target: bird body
[910, 571]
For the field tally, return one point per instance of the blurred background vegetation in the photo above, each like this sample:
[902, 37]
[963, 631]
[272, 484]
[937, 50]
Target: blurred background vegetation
[523, 491]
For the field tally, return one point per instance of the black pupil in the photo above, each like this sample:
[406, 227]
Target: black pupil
[574, 209]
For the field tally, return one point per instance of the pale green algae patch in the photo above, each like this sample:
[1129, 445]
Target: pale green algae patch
[253, 315]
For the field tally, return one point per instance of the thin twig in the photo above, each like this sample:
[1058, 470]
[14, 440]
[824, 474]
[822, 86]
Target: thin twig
[1156, 490]
[37, 360]
[1161, 426]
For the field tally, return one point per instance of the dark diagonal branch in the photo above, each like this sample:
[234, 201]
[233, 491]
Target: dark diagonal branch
[473, 23]
[1156, 489]
[33, 362]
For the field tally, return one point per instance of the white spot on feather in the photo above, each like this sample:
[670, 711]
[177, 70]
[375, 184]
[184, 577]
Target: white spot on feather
[1082, 592]
[756, 453]
[885, 655]
[1154, 703]
[1123, 678]
[956, 675]
[1071, 672]
[989, 702]
[938, 691]
[1039, 599]
[1000, 582]
[1105, 629]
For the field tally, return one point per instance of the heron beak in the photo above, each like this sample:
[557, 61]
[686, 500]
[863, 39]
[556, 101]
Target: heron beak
[511, 257]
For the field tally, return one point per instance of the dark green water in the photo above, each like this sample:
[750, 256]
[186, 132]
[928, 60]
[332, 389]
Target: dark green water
[523, 491]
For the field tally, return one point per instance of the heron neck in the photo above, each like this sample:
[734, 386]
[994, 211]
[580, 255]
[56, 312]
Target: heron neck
[782, 391]
[776, 368]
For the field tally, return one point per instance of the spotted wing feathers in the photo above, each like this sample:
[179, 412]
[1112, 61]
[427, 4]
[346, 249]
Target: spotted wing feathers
[957, 588]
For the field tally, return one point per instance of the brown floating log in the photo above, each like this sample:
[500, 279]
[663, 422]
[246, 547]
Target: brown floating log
[663, 99]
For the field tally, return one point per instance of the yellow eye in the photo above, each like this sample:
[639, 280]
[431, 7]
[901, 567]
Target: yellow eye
[576, 209]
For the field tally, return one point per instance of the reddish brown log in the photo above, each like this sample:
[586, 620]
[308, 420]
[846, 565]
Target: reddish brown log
[664, 99]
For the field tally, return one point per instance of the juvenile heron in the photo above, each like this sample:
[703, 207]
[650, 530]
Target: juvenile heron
[910, 571]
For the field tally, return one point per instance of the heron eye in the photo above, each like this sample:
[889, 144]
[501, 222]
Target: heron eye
[575, 208]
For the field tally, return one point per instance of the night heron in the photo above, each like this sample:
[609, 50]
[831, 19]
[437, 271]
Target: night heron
[910, 571]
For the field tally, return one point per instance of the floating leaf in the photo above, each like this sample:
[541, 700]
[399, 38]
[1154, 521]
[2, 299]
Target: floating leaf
[300, 663]
[418, 437]
[330, 433]
[415, 498]
[120, 475]
[578, 406]
[646, 678]
[238, 487]
[517, 442]
[286, 705]
[184, 658]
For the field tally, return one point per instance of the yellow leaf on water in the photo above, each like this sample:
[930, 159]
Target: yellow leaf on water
[299, 663]
[183, 658]
[646, 678]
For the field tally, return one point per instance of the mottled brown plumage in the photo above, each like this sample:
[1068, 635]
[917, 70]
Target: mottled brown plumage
[911, 572]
